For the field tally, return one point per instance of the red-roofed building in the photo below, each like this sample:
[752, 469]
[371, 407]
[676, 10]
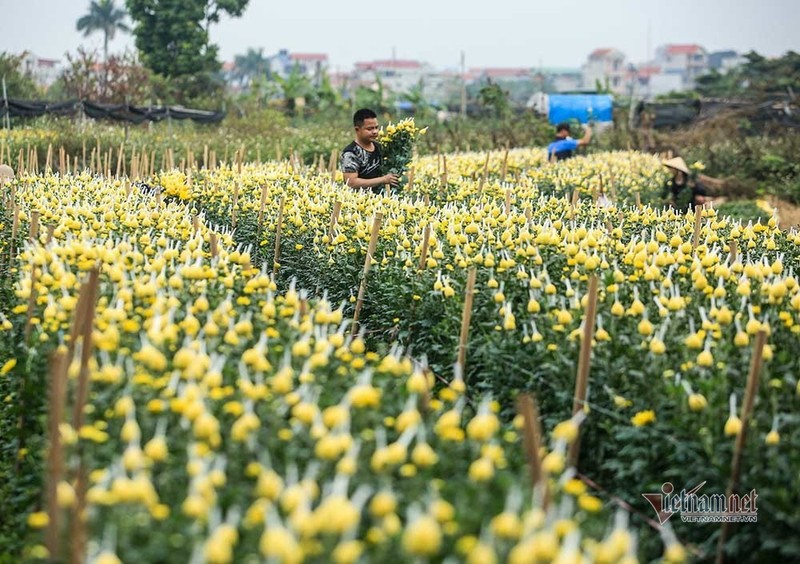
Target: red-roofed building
[687, 60]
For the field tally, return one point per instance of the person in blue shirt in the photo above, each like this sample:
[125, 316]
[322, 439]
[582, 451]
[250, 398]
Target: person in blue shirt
[564, 146]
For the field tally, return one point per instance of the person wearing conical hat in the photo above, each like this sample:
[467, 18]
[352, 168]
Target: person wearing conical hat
[683, 190]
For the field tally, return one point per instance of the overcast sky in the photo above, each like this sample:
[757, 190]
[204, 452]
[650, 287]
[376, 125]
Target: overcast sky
[520, 33]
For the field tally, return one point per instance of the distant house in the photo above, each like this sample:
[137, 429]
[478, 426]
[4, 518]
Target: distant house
[606, 66]
[397, 75]
[724, 61]
[687, 61]
[557, 79]
[44, 72]
[311, 65]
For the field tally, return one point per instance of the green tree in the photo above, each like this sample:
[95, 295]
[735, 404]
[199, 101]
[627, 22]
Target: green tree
[494, 99]
[250, 66]
[106, 17]
[295, 85]
[173, 40]
[18, 84]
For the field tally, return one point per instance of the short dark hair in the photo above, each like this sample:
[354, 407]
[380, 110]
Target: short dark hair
[361, 115]
[563, 126]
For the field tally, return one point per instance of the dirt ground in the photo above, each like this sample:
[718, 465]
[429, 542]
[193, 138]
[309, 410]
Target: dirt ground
[788, 214]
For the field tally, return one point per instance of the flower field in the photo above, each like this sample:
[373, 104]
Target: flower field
[190, 350]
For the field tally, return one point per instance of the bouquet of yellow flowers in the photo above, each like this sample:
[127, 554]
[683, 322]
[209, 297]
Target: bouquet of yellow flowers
[397, 143]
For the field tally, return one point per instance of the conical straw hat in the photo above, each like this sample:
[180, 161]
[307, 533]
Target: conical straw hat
[6, 172]
[678, 164]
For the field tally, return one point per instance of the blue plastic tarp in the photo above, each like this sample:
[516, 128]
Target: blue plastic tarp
[582, 107]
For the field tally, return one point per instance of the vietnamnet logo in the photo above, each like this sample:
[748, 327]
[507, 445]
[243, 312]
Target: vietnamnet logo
[703, 508]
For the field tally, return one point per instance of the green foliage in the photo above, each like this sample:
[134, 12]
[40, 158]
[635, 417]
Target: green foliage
[250, 67]
[18, 84]
[757, 77]
[172, 37]
[745, 210]
[494, 100]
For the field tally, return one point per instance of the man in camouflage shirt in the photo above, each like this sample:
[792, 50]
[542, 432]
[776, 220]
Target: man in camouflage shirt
[362, 160]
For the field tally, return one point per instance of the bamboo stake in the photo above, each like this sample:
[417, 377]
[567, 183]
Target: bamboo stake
[87, 325]
[485, 174]
[410, 185]
[120, 157]
[332, 164]
[337, 208]
[205, 156]
[466, 317]
[505, 166]
[263, 205]
[213, 242]
[698, 215]
[584, 361]
[235, 201]
[508, 201]
[526, 406]
[31, 305]
[55, 459]
[362, 289]
[277, 256]
[423, 254]
[638, 201]
[49, 160]
[21, 161]
[747, 407]
[733, 249]
[33, 233]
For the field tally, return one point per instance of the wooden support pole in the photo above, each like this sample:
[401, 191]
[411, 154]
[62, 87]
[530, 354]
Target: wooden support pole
[212, 240]
[526, 406]
[466, 317]
[33, 232]
[277, 256]
[337, 208]
[85, 329]
[423, 254]
[264, 193]
[733, 249]
[698, 215]
[59, 363]
[362, 289]
[31, 304]
[235, 202]
[750, 393]
[584, 361]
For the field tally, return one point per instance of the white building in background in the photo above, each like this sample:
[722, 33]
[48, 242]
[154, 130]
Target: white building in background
[397, 75]
[44, 72]
[311, 65]
[606, 66]
[725, 61]
[685, 61]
